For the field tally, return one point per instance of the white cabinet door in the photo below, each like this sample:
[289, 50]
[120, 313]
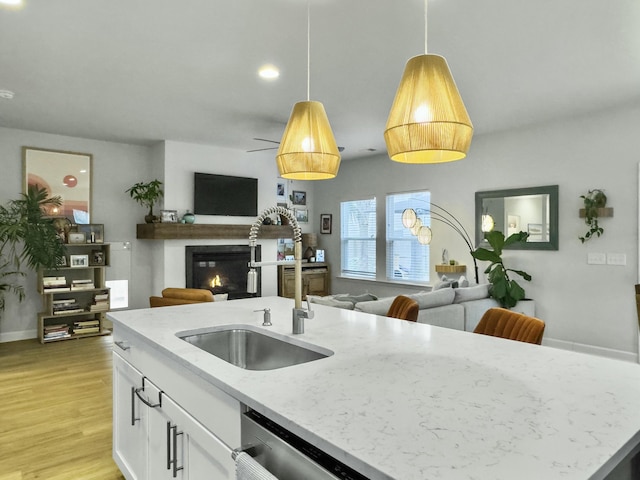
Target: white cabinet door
[130, 422]
[195, 452]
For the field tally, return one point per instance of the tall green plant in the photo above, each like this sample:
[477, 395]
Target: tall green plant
[27, 237]
[504, 290]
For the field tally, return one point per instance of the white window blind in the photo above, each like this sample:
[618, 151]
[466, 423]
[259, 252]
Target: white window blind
[358, 238]
[407, 259]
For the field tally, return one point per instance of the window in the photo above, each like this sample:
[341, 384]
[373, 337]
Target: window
[358, 238]
[407, 259]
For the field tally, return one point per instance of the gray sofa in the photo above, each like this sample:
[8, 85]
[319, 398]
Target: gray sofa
[457, 308]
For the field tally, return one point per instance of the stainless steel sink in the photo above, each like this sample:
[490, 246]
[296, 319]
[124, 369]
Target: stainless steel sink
[253, 350]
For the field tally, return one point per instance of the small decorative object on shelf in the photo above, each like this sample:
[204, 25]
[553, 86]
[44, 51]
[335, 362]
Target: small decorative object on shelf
[188, 217]
[147, 195]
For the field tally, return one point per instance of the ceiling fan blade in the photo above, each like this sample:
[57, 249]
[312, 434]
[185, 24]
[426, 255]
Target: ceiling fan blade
[262, 149]
[265, 140]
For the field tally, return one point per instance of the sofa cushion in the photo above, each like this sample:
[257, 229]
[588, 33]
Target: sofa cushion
[330, 301]
[436, 298]
[477, 292]
[377, 307]
[345, 297]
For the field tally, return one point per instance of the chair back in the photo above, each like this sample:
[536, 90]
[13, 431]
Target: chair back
[404, 308]
[181, 296]
[503, 323]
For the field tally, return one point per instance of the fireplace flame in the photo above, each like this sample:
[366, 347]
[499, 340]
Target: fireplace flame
[215, 282]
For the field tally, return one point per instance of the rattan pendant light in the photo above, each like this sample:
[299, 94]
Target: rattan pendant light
[308, 149]
[428, 122]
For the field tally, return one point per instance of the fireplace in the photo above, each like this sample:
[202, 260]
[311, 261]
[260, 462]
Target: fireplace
[221, 269]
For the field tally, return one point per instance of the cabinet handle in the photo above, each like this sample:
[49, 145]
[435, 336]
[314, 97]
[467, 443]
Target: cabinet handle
[145, 401]
[133, 406]
[122, 344]
[172, 449]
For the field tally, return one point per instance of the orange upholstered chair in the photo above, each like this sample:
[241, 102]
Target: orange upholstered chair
[181, 296]
[404, 308]
[500, 322]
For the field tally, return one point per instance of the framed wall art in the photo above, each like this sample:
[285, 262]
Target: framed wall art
[299, 198]
[63, 174]
[325, 223]
[302, 215]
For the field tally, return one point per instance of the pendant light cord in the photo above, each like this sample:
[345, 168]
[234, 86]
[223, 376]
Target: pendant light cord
[308, 47]
[425, 27]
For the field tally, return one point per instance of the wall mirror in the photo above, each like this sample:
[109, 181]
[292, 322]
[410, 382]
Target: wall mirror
[533, 210]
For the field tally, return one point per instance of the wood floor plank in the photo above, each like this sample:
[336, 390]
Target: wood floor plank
[56, 410]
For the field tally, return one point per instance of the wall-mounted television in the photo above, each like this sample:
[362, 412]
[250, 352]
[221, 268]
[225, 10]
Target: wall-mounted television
[225, 195]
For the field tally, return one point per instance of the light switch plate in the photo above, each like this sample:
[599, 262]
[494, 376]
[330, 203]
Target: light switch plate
[596, 258]
[616, 259]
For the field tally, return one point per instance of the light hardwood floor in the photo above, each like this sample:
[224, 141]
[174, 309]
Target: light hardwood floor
[55, 410]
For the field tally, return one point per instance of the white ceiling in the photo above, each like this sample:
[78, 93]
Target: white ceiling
[139, 71]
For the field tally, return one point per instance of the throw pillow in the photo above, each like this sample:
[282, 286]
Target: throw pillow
[377, 307]
[330, 301]
[436, 298]
[477, 292]
[365, 297]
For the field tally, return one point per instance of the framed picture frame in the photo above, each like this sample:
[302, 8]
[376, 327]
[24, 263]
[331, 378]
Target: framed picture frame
[77, 237]
[298, 197]
[325, 222]
[281, 191]
[62, 262]
[93, 232]
[97, 257]
[169, 216]
[302, 215]
[67, 175]
[79, 261]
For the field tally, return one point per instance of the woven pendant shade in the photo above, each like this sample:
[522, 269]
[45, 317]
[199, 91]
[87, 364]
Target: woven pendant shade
[308, 150]
[428, 122]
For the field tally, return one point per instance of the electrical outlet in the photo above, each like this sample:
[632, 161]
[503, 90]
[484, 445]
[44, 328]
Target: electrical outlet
[616, 259]
[596, 258]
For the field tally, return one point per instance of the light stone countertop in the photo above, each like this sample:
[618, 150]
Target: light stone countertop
[401, 400]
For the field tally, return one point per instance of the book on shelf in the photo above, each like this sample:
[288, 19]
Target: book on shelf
[85, 330]
[63, 301]
[54, 281]
[57, 337]
[82, 286]
[86, 323]
[56, 289]
[71, 310]
[100, 296]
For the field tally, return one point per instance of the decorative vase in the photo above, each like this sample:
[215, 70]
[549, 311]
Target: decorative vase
[189, 217]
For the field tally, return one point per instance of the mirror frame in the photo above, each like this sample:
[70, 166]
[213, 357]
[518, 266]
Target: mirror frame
[551, 190]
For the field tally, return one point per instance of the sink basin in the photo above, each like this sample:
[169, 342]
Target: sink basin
[253, 350]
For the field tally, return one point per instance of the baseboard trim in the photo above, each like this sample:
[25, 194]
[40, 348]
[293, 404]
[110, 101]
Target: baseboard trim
[16, 336]
[590, 349]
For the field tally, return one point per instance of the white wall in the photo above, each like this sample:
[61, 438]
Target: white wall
[582, 304]
[115, 168]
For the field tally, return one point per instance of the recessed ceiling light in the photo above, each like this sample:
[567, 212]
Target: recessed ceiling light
[269, 72]
[6, 94]
[13, 3]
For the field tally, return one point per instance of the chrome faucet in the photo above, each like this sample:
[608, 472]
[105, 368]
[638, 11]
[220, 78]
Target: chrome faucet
[299, 313]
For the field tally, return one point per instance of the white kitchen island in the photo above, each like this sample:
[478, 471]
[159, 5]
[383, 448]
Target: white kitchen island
[407, 401]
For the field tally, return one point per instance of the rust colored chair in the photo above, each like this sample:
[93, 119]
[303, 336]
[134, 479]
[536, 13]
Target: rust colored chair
[503, 323]
[404, 308]
[181, 296]
[638, 302]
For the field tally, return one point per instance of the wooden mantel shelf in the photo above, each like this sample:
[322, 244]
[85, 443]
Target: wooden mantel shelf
[176, 231]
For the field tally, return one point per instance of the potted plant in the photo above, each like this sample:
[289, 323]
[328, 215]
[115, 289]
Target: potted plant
[147, 195]
[504, 290]
[28, 236]
[593, 200]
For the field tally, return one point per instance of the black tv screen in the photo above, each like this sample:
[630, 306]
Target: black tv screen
[225, 195]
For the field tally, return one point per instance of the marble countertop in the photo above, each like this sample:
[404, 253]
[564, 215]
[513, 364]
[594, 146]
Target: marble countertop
[401, 400]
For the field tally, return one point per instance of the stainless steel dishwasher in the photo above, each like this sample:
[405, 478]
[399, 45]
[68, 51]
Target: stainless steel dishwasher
[287, 456]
